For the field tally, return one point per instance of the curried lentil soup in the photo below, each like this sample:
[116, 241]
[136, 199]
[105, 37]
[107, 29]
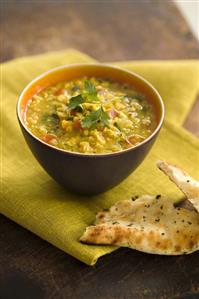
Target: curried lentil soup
[90, 115]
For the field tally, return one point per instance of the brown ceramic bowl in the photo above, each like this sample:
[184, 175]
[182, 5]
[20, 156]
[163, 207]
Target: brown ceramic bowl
[88, 173]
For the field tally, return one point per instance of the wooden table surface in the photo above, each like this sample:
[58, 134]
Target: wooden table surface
[109, 31]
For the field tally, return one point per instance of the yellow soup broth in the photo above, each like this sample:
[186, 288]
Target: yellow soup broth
[91, 116]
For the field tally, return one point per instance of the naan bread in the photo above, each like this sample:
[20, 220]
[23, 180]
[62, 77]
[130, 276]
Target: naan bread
[185, 183]
[151, 224]
[148, 224]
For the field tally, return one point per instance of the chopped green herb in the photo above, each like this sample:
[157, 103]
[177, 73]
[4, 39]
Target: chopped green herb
[79, 108]
[117, 126]
[75, 88]
[90, 87]
[51, 121]
[91, 120]
[69, 118]
[90, 91]
[75, 102]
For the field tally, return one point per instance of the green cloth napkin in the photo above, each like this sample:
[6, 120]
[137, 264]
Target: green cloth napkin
[35, 201]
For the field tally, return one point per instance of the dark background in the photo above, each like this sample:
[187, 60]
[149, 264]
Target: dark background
[108, 31]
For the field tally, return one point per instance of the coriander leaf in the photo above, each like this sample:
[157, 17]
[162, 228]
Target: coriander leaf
[75, 88]
[75, 102]
[90, 91]
[69, 118]
[91, 120]
[90, 87]
[104, 117]
[117, 126]
[79, 108]
[51, 121]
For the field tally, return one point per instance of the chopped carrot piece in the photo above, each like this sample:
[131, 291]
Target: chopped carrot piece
[59, 91]
[77, 125]
[48, 137]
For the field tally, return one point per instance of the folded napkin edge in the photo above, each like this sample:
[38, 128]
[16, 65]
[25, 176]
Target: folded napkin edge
[48, 54]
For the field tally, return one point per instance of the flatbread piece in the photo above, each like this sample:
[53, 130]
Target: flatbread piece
[184, 182]
[150, 224]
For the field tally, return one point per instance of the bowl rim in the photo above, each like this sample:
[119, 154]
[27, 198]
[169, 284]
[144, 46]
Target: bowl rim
[95, 155]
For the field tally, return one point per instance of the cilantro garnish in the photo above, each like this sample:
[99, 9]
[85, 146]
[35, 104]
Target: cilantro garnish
[91, 120]
[90, 91]
[117, 126]
[89, 95]
[51, 121]
[75, 102]
[90, 87]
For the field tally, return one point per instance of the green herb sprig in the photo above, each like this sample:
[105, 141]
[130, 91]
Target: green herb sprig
[89, 95]
[90, 92]
[51, 121]
[117, 126]
[75, 102]
[91, 120]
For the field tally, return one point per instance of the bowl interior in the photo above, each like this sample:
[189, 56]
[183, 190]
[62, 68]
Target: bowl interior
[97, 70]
